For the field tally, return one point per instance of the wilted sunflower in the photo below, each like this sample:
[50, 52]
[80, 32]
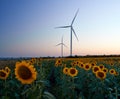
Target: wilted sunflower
[95, 69]
[3, 74]
[112, 71]
[65, 70]
[87, 66]
[72, 71]
[100, 74]
[25, 73]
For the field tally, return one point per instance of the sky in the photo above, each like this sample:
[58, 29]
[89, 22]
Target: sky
[27, 27]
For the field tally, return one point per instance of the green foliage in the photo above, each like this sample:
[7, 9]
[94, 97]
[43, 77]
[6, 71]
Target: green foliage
[52, 83]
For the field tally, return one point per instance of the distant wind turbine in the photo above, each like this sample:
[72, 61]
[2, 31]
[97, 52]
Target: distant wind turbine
[71, 31]
[62, 44]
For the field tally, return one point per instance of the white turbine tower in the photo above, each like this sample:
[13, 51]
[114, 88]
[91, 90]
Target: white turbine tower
[62, 44]
[71, 31]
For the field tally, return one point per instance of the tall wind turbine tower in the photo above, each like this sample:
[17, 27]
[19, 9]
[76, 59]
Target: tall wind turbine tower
[62, 44]
[71, 31]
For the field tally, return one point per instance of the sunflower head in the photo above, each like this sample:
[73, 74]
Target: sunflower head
[25, 73]
[3, 74]
[58, 62]
[105, 70]
[100, 74]
[7, 69]
[77, 62]
[93, 64]
[87, 66]
[95, 69]
[73, 64]
[65, 70]
[101, 66]
[112, 71]
[111, 63]
[116, 73]
[72, 71]
[81, 64]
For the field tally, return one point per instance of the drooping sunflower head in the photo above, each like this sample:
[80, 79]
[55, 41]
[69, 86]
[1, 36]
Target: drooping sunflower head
[95, 69]
[87, 66]
[72, 71]
[3, 74]
[25, 73]
[100, 74]
[65, 70]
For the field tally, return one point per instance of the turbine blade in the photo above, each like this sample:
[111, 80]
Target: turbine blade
[74, 17]
[75, 34]
[63, 27]
[64, 45]
[58, 44]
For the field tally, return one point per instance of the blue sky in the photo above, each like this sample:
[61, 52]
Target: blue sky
[27, 27]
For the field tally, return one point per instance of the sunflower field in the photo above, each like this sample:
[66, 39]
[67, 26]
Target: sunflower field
[60, 78]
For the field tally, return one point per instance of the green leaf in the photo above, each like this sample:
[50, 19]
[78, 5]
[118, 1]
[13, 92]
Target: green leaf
[48, 95]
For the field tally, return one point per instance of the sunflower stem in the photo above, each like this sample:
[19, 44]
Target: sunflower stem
[73, 89]
[116, 92]
[5, 87]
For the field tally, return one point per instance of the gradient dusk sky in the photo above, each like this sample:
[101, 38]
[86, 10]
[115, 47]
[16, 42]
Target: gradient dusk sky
[27, 27]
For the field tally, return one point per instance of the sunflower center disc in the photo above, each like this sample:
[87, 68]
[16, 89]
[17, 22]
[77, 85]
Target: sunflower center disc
[24, 72]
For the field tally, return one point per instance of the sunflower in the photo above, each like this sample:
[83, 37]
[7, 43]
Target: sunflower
[65, 70]
[7, 69]
[105, 70]
[3, 74]
[100, 74]
[112, 71]
[72, 71]
[87, 66]
[111, 62]
[73, 64]
[77, 62]
[58, 62]
[101, 66]
[93, 64]
[116, 73]
[95, 69]
[25, 73]
[81, 65]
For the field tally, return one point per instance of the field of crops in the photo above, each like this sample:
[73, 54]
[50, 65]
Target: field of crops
[60, 78]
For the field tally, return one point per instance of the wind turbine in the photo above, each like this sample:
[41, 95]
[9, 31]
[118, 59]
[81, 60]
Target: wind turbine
[62, 44]
[71, 31]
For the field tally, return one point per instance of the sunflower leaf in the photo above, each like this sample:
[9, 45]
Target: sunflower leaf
[48, 95]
